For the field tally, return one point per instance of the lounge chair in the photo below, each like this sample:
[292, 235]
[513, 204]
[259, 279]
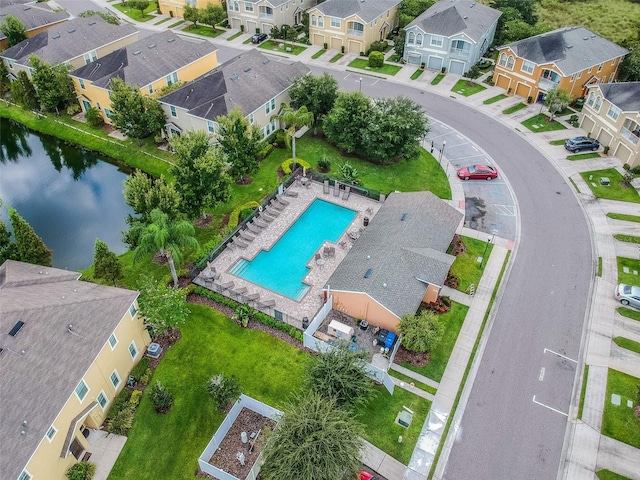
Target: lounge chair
[277, 205]
[227, 285]
[347, 191]
[252, 296]
[253, 228]
[291, 193]
[268, 303]
[325, 187]
[317, 257]
[267, 218]
[281, 200]
[272, 212]
[260, 222]
[332, 251]
[246, 235]
[325, 251]
[238, 242]
[336, 189]
[240, 291]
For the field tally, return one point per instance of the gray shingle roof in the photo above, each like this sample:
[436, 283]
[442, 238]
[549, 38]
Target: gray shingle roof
[71, 39]
[448, 18]
[571, 49]
[624, 95]
[145, 61]
[367, 10]
[403, 254]
[246, 81]
[32, 16]
[37, 383]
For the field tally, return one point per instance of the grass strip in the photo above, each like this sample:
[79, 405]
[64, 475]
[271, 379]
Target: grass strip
[575, 185]
[437, 79]
[629, 313]
[204, 31]
[609, 475]
[624, 216]
[466, 371]
[467, 88]
[599, 266]
[363, 64]
[409, 380]
[627, 238]
[631, 265]
[540, 123]
[558, 142]
[318, 54]
[616, 190]
[585, 376]
[174, 25]
[336, 58]
[280, 46]
[583, 156]
[495, 99]
[628, 344]
[163, 21]
[234, 36]
[417, 74]
[514, 108]
[618, 421]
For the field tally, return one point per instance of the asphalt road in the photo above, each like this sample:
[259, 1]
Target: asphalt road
[504, 433]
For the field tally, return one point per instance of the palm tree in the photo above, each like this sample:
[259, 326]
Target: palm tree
[293, 121]
[168, 238]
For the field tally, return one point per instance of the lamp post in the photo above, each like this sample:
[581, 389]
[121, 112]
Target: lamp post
[284, 37]
[360, 85]
[444, 144]
[486, 247]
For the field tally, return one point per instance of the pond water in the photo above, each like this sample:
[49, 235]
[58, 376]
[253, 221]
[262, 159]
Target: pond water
[69, 196]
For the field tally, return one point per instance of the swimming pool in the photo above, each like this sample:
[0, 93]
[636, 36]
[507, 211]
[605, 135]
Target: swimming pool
[282, 268]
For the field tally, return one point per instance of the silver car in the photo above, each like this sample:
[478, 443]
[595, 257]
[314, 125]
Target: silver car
[628, 295]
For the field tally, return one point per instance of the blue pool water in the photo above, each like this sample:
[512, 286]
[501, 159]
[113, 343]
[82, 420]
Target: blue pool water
[282, 268]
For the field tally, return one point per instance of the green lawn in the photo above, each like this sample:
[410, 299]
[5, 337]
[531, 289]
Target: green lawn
[210, 344]
[585, 377]
[467, 87]
[616, 190]
[558, 142]
[417, 74]
[514, 108]
[204, 30]
[280, 46]
[336, 57]
[163, 21]
[629, 313]
[174, 25]
[495, 99]
[539, 123]
[318, 54]
[623, 216]
[466, 266]
[234, 36]
[628, 344]
[136, 14]
[609, 475]
[379, 416]
[437, 79]
[583, 156]
[618, 421]
[631, 264]
[363, 64]
[627, 238]
[452, 320]
[409, 380]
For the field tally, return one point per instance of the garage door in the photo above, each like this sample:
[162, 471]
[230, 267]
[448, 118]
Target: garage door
[587, 124]
[336, 43]
[251, 27]
[502, 82]
[623, 153]
[523, 90]
[605, 137]
[318, 39]
[456, 67]
[235, 23]
[435, 63]
[355, 47]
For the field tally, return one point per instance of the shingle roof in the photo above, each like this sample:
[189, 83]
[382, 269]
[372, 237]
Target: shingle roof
[367, 10]
[41, 366]
[273, 3]
[246, 81]
[571, 49]
[145, 61]
[448, 18]
[624, 95]
[61, 43]
[32, 16]
[402, 254]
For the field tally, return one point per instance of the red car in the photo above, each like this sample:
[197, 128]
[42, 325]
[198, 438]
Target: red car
[477, 172]
[365, 476]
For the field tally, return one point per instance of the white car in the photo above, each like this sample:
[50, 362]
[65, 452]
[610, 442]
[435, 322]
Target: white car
[628, 295]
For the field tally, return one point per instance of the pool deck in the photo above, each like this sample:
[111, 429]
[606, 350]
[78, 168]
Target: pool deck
[318, 274]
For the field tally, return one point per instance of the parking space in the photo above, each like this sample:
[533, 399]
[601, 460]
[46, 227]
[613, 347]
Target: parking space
[555, 369]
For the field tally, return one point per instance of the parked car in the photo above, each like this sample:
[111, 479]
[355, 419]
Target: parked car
[364, 475]
[628, 295]
[259, 37]
[576, 144]
[477, 172]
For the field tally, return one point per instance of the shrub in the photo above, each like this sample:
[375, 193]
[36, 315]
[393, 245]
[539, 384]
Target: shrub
[135, 398]
[118, 403]
[529, 99]
[379, 46]
[161, 398]
[235, 214]
[73, 109]
[606, 149]
[146, 377]
[140, 368]
[122, 421]
[324, 165]
[421, 332]
[81, 471]
[443, 70]
[281, 139]
[94, 119]
[202, 254]
[349, 172]
[243, 312]
[223, 390]
[286, 165]
[342, 49]
[324, 45]
[376, 60]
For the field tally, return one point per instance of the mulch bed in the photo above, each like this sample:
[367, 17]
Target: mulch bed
[225, 457]
[414, 359]
[205, 221]
[166, 340]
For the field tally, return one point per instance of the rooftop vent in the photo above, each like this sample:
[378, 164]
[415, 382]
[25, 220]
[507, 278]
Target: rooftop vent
[247, 70]
[137, 52]
[92, 22]
[472, 5]
[265, 61]
[465, 17]
[71, 30]
[16, 328]
[569, 46]
[171, 40]
[404, 217]
[234, 77]
[1, 350]
[368, 273]
[26, 8]
[153, 45]
[57, 35]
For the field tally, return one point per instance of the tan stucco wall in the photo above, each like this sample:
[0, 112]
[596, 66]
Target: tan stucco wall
[177, 6]
[282, 15]
[46, 462]
[362, 306]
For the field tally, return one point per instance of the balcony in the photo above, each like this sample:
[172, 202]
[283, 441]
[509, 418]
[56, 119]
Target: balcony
[629, 135]
[459, 52]
[265, 16]
[355, 33]
[547, 84]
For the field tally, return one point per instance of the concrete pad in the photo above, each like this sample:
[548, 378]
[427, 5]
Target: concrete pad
[618, 457]
[391, 468]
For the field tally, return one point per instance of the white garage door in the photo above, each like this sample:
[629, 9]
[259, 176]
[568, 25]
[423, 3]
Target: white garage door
[456, 67]
[435, 63]
[414, 58]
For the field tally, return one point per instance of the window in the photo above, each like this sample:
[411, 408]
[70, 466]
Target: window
[51, 432]
[115, 379]
[580, 74]
[81, 82]
[436, 41]
[598, 104]
[10, 62]
[527, 66]
[251, 118]
[270, 105]
[412, 38]
[133, 350]
[248, 7]
[600, 68]
[210, 126]
[113, 341]
[314, 21]
[591, 99]
[503, 59]
[90, 57]
[24, 476]
[613, 113]
[102, 400]
[320, 22]
[419, 39]
[572, 78]
[107, 112]
[460, 46]
[150, 89]
[335, 22]
[82, 390]
[267, 107]
[611, 77]
[172, 78]
[273, 103]
[98, 105]
[510, 62]
[236, 6]
[132, 308]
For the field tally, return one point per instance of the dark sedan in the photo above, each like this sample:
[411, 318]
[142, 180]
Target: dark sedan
[259, 37]
[576, 144]
[477, 172]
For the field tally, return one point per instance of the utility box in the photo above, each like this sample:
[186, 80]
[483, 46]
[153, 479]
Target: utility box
[340, 330]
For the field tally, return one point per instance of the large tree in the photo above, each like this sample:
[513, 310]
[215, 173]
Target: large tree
[134, 114]
[106, 264]
[241, 143]
[527, 8]
[556, 100]
[141, 5]
[53, 85]
[5, 84]
[212, 15]
[23, 91]
[13, 29]
[191, 14]
[293, 121]
[347, 120]
[144, 193]
[29, 246]
[339, 374]
[162, 307]
[314, 439]
[168, 238]
[630, 66]
[316, 92]
[200, 172]
[8, 249]
[420, 333]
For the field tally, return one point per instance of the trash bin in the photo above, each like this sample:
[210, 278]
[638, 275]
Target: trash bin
[365, 221]
[305, 323]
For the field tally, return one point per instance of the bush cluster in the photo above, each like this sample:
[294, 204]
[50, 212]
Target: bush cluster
[140, 368]
[223, 390]
[287, 164]
[376, 59]
[160, 397]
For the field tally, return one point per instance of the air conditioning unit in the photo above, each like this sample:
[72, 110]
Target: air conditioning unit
[154, 350]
